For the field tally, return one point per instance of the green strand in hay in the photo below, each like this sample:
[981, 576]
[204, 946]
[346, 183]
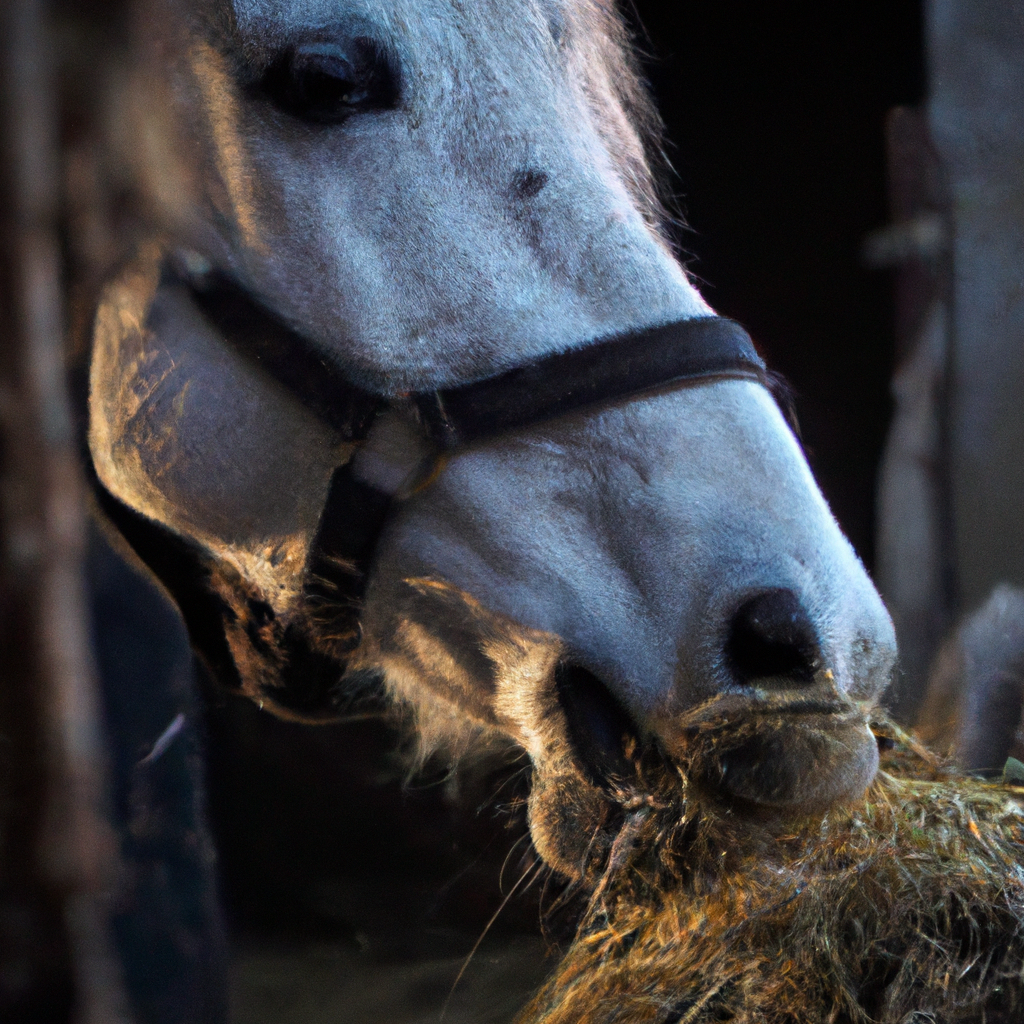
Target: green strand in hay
[905, 907]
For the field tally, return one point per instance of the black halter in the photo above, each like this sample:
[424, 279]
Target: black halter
[607, 370]
[603, 371]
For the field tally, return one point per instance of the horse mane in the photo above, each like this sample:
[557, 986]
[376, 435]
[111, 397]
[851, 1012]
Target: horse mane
[606, 58]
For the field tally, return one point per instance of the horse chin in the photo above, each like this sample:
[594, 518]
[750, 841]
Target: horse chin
[571, 823]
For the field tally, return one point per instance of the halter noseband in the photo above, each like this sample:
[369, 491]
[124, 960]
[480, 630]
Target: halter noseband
[603, 371]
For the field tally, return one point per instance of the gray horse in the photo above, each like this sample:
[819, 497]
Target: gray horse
[396, 200]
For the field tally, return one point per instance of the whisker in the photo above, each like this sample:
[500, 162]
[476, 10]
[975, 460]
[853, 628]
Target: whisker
[573, 888]
[512, 779]
[508, 856]
[534, 870]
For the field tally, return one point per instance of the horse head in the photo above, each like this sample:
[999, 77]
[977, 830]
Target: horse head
[376, 211]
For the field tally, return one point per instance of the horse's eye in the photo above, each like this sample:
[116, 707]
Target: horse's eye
[326, 83]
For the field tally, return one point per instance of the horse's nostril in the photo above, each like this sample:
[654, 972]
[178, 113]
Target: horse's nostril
[771, 637]
[600, 729]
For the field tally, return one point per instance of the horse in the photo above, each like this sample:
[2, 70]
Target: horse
[406, 390]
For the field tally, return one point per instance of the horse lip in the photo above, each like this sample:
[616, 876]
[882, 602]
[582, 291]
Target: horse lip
[824, 708]
[727, 708]
[792, 755]
[729, 716]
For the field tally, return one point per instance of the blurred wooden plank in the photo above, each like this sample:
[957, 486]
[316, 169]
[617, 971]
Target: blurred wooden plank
[914, 544]
[59, 849]
[976, 118]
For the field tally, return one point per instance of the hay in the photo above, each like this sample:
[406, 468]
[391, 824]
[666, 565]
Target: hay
[904, 907]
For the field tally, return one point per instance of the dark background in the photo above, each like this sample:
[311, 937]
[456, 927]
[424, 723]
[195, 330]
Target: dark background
[775, 120]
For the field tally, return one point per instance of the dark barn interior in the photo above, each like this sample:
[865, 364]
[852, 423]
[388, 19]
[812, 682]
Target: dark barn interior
[354, 895]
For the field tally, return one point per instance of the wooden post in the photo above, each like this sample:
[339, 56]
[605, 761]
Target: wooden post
[56, 847]
[915, 567]
[976, 117]
[951, 508]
